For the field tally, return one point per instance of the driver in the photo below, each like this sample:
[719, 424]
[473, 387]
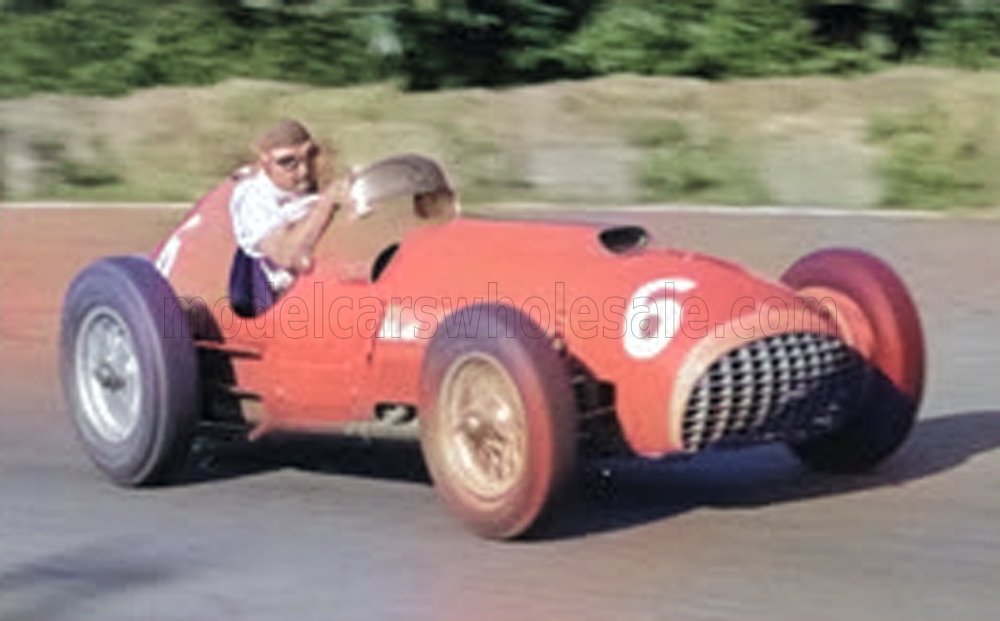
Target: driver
[278, 216]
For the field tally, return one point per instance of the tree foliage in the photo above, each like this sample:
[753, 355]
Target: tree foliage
[486, 42]
[111, 46]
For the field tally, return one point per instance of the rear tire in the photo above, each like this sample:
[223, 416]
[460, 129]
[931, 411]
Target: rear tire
[897, 361]
[498, 420]
[129, 370]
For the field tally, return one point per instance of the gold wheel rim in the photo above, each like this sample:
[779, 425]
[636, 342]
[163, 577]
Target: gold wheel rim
[485, 438]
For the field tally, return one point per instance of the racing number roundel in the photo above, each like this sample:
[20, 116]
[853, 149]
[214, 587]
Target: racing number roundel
[654, 316]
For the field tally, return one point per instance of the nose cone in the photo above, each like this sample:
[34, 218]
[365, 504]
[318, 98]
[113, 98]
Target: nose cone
[655, 394]
[687, 323]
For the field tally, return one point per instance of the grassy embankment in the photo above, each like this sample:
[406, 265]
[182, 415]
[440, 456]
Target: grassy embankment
[911, 138]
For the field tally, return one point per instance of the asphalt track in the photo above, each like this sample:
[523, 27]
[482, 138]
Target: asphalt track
[329, 529]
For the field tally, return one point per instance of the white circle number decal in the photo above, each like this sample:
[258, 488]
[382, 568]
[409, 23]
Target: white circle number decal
[654, 316]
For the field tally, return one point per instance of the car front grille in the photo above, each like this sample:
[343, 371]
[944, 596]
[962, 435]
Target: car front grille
[779, 388]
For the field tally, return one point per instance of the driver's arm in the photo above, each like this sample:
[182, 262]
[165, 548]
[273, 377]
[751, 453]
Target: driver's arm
[290, 246]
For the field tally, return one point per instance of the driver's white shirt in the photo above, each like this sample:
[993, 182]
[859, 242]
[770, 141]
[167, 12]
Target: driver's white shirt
[257, 207]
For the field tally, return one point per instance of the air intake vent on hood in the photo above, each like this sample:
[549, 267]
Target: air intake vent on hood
[623, 239]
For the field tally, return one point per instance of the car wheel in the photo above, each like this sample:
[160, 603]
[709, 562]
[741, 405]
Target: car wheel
[896, 358]
[129, 370]
[498, 420]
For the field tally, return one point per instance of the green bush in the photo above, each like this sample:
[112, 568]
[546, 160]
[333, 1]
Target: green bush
[631, 37]
[486, 42]
[677, 166]
[64, 50]
[936, 160]
[107, 47]
[61, 172]
[968, 40]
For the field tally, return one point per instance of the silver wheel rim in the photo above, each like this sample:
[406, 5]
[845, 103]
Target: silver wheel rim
[107, 374]
[485, 439]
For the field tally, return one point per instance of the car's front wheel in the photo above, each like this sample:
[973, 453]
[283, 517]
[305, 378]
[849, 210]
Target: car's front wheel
[129, 370]
[498, 420]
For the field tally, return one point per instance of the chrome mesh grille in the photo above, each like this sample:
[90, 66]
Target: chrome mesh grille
[785, 387]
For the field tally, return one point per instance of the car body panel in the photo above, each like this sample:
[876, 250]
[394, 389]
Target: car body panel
[648, 320]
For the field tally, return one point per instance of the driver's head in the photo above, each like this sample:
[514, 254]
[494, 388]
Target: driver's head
[287, 154]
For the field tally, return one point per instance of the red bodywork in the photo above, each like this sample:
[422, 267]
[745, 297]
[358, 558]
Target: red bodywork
[337, 344]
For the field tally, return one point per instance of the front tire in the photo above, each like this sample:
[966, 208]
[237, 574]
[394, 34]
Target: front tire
[129, 370]
[889, 406]
[498, 420]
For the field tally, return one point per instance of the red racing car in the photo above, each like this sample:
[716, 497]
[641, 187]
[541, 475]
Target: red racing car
[511, 346]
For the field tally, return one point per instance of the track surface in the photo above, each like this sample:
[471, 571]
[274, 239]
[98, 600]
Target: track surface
[330, 529]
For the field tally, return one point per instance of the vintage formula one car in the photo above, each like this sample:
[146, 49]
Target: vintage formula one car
[511, 346]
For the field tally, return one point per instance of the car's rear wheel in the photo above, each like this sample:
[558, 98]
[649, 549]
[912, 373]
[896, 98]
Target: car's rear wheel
[498, 420]
[860, 282]
[129, 370]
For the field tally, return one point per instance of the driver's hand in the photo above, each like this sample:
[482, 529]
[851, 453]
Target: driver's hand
[303, 264]
[339, 191]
